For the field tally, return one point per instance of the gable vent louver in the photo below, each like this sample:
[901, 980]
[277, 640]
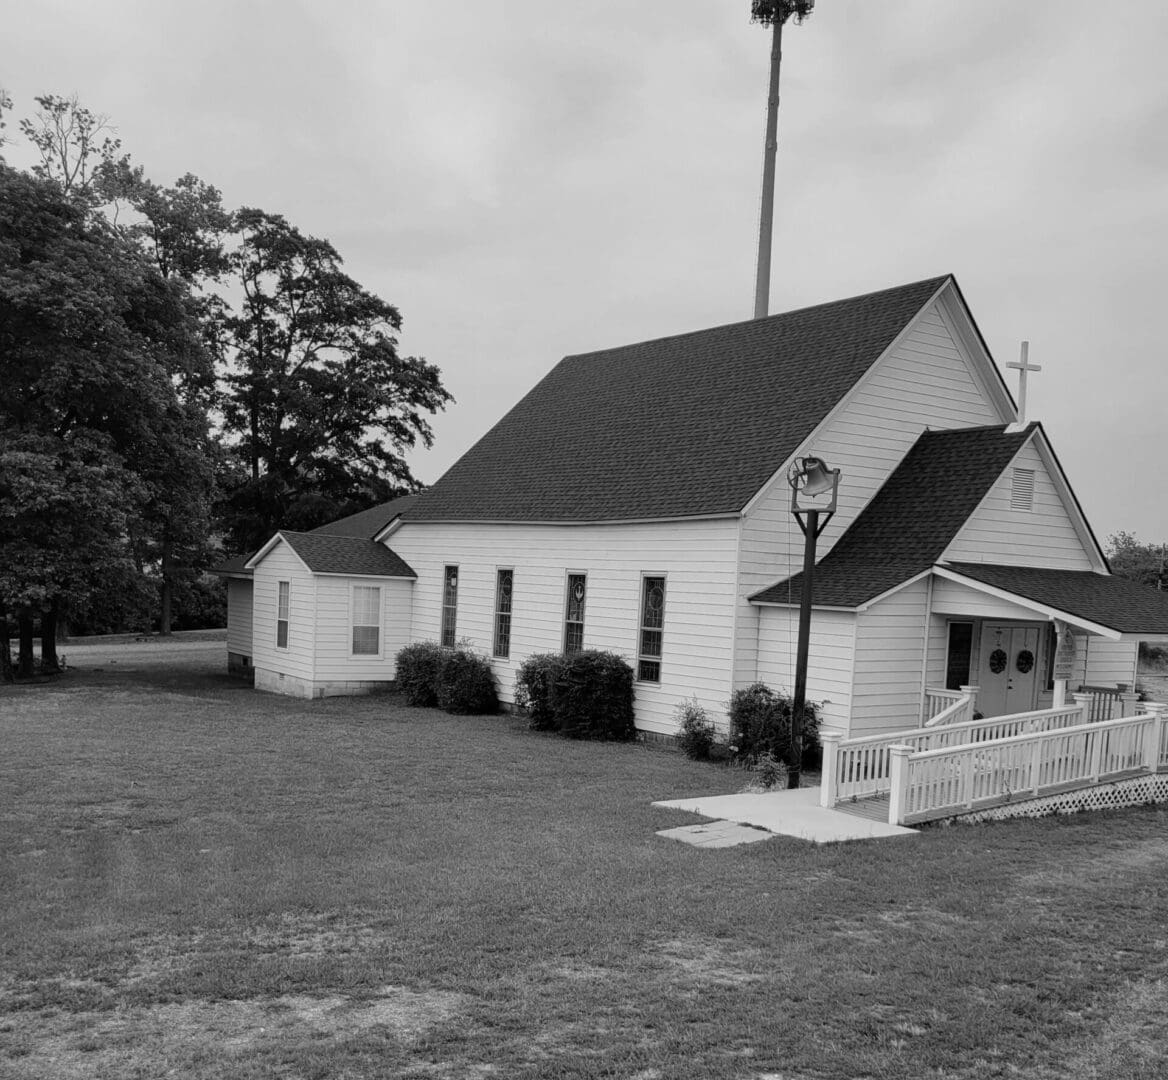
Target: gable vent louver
[1022, 491]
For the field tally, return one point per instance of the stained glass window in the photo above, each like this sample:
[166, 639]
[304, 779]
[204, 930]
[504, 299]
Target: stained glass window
[503, 585]
[449, 605]
[652, 629]
[574, 613]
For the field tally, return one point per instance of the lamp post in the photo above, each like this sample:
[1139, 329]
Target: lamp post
[810, 480]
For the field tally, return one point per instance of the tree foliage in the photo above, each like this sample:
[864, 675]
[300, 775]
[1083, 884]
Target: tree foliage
[769, 12]
[133, 314]
[319, 402]
[75, 146]
[99, 446]
[1145, 563]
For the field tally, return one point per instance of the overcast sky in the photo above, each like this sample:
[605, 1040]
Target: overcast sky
[526, 180]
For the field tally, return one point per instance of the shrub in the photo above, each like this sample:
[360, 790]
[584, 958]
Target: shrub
[695, 730]
[535, 689]
[417, 672]
[465, 683]
[772, 771]
[593, 697]
[760, 723]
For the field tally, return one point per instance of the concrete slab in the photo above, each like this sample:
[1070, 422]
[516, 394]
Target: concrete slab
[716, 834]
[788, 813]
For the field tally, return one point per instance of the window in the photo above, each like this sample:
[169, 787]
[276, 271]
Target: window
[958, 655]
[282, 616]
[449, 605]
[1022, 490]
[366, 620]
[652, 624]
[574, 613]
[504, 581]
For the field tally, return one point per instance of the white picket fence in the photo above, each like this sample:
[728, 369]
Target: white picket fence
[937, 772]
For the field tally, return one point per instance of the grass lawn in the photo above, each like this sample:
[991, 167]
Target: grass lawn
[197, 880]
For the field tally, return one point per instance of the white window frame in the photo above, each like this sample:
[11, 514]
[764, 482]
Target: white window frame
[453, 608]
[583, 621]
[659, 660]
[500, 614]
[284, 607]
[379, 625]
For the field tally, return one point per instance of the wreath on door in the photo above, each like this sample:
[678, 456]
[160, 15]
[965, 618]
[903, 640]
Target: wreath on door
[1025, 661]
[998, 660]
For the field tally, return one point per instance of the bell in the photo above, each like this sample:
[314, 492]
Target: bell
[818, 478]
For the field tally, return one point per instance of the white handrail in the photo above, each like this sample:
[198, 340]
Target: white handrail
[952, 779]
[863, 767]
[959, 712]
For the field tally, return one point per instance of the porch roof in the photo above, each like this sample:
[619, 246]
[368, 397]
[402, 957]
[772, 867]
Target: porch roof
[1124, 606]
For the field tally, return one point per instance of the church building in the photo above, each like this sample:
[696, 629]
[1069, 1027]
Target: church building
[637, 500]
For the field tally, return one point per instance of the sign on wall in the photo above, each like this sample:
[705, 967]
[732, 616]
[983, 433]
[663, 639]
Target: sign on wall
[1064, 656]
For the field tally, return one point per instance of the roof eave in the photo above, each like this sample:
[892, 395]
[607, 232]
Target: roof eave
[1092, 627]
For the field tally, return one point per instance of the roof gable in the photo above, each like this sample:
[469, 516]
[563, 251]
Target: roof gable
[350, 555]
[1052, 531]
[691, 425]
[913, 517]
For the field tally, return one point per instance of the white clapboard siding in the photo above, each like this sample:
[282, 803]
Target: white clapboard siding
[926, 381]
[335, 661]
[890, 654]
[953, 598]
[1109, 662]
[829, 667]
[696, 557]
[1041, 536]
[281, 564]
[239, 607]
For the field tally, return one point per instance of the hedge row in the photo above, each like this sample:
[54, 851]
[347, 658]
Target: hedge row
[457, 680]
[584, 695]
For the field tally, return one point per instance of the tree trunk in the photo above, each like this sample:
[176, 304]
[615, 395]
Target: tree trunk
[24, 661]
[49, 662]
[166, 593]
[7, 674]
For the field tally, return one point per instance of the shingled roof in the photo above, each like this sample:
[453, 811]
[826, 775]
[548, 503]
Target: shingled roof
[1117, 603]
[324, 554]
[912, 519]
[368, 523]
[682, 426]
[364, 525]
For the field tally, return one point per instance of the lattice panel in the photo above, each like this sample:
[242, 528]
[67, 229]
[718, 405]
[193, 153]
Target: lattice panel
[1134, 792]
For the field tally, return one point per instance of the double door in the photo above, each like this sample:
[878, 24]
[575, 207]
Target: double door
[1008, 668]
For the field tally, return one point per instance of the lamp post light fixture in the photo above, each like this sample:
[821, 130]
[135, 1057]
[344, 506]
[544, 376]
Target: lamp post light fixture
[814, 488]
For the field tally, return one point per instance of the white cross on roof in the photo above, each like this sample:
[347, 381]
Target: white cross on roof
[1023, 367]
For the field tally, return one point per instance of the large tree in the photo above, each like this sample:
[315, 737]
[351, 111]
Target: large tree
[93, 342]
[319, 404]
[1145, 563]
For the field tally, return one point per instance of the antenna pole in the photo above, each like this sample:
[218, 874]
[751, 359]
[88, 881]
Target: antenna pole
[762, 285]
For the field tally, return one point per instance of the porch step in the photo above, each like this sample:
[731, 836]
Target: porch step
[873, 808]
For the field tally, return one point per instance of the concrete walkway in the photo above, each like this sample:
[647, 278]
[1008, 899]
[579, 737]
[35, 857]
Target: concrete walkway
[786, 813]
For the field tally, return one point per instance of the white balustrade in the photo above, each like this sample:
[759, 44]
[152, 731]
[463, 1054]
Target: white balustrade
[952, 779]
